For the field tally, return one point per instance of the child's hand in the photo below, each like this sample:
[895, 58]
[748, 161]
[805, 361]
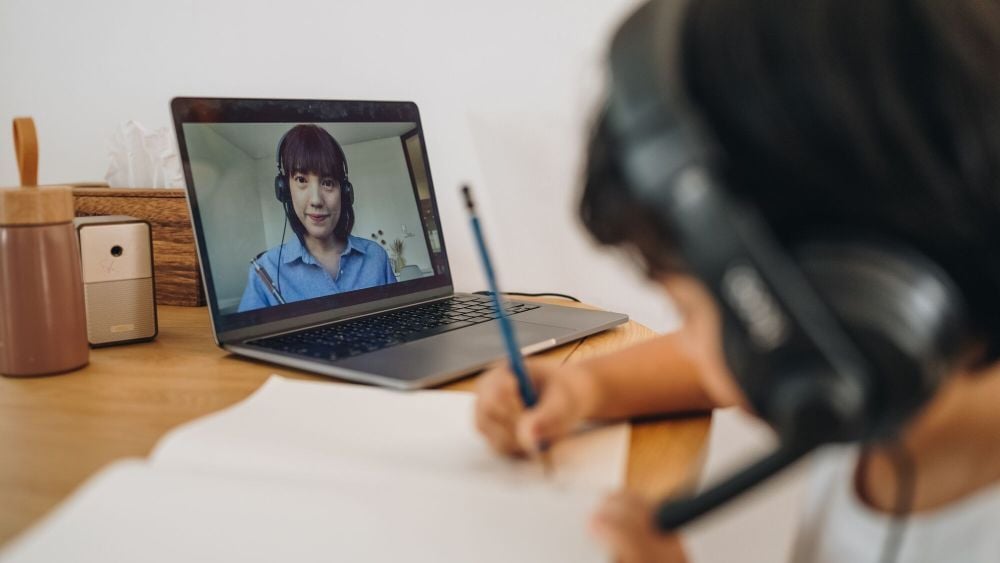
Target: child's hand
[625, 524]
[565, 398]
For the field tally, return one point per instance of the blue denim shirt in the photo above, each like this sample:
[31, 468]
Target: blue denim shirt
[363, 263]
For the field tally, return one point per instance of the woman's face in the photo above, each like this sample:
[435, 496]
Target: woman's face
[702, 337]
[316, 201]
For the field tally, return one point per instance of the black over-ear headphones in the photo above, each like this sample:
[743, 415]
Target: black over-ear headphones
[831, 341]
[281, 190]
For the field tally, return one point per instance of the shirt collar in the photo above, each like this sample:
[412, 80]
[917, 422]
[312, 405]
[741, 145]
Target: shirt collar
[353, 246]
[295, 250]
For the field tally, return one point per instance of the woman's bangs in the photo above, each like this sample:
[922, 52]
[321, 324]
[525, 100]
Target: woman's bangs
[311, 151]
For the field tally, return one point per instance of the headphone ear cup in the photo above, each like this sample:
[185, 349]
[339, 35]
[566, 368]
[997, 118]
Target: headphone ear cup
[281, 188]
[347, 189]
[901, 310]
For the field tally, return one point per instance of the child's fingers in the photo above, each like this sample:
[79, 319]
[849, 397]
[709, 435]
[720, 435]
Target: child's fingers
[623, 510]
[496, 412]
[502, 409]
[499, 407]
[498, 387]
[496, 398]
[499, 436]
[625, 524]
[551, 418]
[620, 529]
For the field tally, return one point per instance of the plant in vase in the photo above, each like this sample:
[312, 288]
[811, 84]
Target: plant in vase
[394, 249]
[396, 255]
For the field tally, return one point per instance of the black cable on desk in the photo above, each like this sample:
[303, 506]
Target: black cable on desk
[520, 294]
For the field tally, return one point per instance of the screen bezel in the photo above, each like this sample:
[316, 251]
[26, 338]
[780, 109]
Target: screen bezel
[248, 324]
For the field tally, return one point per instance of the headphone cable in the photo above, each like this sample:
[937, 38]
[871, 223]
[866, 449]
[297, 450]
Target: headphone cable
[905, 469]
[277, 275]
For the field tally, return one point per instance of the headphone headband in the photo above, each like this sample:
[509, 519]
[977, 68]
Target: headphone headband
[336, 145]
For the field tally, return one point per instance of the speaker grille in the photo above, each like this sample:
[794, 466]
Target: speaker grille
[120, 310]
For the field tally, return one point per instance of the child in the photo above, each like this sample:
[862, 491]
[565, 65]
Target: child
[861, 117]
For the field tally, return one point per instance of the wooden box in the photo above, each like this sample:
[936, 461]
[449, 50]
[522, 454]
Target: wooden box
[175, 260]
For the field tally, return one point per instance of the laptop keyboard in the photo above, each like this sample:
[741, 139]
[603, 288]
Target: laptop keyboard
[375, 332]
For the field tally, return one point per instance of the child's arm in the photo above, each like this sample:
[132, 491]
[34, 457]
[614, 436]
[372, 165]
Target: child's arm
[652, 377]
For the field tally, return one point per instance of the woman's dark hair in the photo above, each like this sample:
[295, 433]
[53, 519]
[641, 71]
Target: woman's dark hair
[864, 117]
[312, 149]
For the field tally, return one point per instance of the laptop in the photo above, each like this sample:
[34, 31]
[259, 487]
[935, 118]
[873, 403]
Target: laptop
[321, 245]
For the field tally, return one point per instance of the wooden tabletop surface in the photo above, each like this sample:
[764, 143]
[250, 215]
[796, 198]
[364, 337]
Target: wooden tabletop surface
[57, 431]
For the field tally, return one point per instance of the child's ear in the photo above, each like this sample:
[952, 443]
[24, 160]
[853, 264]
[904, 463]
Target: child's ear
[971, 364]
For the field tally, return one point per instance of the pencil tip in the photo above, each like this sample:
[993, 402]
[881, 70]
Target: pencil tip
[467, 195]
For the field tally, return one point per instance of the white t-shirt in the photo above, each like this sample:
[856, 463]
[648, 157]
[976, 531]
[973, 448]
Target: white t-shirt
[811, 513]
[837, 526]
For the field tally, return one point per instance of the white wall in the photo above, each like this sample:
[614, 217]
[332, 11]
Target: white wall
[384, 198]
[272, 210]
[478, 70]
[232, 225]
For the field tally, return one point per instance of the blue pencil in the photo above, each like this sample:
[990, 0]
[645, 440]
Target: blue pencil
[506, 329]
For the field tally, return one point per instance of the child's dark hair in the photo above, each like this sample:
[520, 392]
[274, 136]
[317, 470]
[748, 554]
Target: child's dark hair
[866, 117]
[312, 149]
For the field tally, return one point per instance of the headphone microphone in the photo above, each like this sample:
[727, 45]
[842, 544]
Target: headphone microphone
[832, 340]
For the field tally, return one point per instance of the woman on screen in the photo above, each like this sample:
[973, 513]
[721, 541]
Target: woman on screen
[324, 258]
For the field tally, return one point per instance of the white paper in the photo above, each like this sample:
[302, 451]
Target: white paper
[309, 471]
[313, 429]
[137, 512]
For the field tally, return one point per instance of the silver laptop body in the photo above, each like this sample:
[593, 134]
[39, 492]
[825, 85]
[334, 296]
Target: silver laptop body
[232, 151]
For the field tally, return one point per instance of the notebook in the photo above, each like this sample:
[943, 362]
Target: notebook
[322, 248]
[307, 471]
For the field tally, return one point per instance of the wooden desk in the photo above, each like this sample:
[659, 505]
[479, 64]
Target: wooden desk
[57, 431]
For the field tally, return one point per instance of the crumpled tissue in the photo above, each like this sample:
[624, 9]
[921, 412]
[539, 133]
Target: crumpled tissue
[141, 158]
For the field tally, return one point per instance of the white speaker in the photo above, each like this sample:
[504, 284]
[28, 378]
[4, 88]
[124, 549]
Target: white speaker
[117, 256]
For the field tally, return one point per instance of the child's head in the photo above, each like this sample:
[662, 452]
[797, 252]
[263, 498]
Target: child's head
[315, 169]
[867, 118]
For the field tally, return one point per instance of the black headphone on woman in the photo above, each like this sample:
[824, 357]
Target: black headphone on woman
[831, 341]
[281, 189]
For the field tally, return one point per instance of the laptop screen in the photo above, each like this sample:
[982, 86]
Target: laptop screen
[302, 206]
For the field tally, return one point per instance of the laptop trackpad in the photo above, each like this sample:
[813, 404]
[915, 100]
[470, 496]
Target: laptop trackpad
[450, 353]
